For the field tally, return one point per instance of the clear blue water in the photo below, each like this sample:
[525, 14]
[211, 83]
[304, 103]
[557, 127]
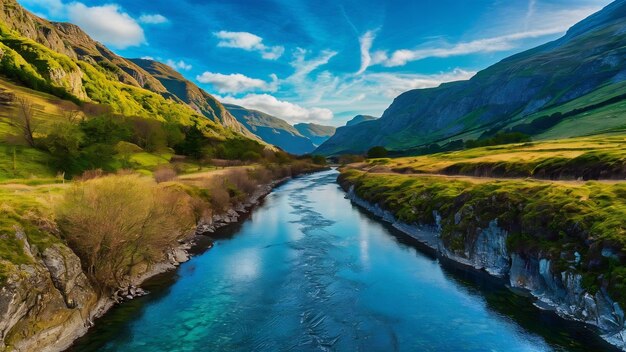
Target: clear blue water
[310, 272]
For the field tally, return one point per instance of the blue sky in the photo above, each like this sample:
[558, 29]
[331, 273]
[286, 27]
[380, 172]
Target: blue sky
[320, 61]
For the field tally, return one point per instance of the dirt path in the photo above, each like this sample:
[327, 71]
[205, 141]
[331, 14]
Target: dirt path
[474, 179]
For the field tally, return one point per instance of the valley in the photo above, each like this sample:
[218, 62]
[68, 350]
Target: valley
[485, 209]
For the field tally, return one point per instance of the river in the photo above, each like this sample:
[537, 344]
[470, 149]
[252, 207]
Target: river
[308, 271]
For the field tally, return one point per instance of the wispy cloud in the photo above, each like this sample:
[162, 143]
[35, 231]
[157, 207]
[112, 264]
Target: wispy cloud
[538, 21]
[237, 82]
[249, 42]
[179, 65]
[368, 59]
[285, 110]
[304, 66]
[486, 45]
[153, 19]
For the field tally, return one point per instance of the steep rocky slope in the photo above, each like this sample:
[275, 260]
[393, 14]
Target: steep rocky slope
[590, 56]
[272, 130]
[201, 101]
[61, 59]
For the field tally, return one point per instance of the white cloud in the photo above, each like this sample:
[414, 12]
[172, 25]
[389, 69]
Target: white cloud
[392, 84]
[285, 110]
[367, 58]
[147, 58]
[107, 24]
[538, 21]
[179, 65]
[153, 19]
[237, 83]
[304, 66]
[369, 93]
[249, 42]
[487, 45]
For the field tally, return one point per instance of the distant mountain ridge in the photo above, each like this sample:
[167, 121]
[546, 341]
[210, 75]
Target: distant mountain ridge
[586, 65]
[272, 130]
[318, 134]
[359, 119]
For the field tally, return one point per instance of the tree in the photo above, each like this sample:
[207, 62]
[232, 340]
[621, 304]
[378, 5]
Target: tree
[24, 119]
[63, 143]
[377, 152]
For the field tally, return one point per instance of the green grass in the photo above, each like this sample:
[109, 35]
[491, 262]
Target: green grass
[566, 158]
[551, 220]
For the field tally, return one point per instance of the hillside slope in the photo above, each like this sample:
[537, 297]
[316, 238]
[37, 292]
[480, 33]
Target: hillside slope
[201, 101]
[591, 56]
[318, 134]
[359, 119]
[272, 130]
[61, 59]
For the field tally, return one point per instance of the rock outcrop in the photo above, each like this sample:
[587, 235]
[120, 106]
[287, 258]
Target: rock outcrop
[47, 302]
[558, 289]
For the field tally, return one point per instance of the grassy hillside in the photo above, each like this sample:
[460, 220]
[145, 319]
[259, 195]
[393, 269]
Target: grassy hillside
[583, 68]
[586, 158]
[177, 86]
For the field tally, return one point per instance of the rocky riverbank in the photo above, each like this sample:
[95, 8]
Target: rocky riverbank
[558, 288]
[49, 302]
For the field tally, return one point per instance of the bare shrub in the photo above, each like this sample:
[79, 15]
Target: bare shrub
[115, 222]
[242, 180]
[219, 197]
[164, 174]
[262, 175]
[90, 175]
[24, 120]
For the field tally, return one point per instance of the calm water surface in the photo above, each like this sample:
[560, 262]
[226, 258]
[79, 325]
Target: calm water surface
[310, 272]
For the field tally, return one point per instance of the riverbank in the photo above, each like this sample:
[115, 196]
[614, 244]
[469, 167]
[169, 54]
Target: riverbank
[47, 298]
[487, 227]
[175, 257]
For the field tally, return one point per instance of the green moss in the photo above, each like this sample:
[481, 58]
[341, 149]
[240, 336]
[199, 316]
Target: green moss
[552, 220]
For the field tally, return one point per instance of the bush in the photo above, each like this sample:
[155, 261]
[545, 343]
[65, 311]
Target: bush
[499, 139]
[115, 222]
[164, 174]
[242, 180]
[377, 152]
[318, 160]
[219, 198]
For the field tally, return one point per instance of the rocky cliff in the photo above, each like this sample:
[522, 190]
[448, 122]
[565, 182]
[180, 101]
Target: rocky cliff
[556, 286]
[47, 301]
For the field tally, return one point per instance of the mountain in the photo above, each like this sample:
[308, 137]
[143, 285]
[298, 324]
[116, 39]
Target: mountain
[272, 130]
[547, 91]
[360, 118]
[318, 134]
[61, 59]
[201, 101]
